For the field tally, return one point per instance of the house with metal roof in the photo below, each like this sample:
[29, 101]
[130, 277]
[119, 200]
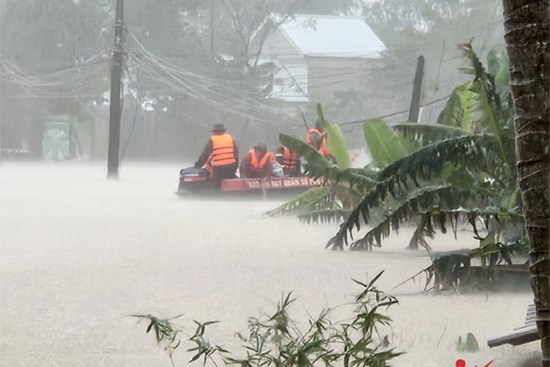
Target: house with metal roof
[317, 57]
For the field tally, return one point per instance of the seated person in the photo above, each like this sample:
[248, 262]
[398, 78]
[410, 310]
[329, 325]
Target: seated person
[289, 160]
[220, 156]
[258, 162]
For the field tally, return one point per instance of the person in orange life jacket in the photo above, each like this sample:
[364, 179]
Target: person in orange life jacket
[318, 139]
[257, 163]
[221, 153]
[289, 160]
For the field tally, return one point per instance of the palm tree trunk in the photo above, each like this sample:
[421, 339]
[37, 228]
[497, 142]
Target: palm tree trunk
[528, 43]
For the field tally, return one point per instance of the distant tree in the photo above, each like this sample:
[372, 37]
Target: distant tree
[400, 21]
[55, 34]
[248, 21]
[171, 27]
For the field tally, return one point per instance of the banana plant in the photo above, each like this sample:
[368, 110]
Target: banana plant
[465, 173]
[434, 174]
[384, 145]
[344, 185]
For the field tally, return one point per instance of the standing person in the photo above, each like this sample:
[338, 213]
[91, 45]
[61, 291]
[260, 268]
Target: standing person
[221, 153]
[318, 140]
[289, 160]
[258, 162]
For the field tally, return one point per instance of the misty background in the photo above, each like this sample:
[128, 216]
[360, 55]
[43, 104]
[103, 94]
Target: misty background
[80, 253]
[191, 64]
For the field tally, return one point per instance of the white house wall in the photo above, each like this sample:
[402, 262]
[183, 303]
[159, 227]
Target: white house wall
[290, 74]
[290, 81]
[314, 79]
[328, 76]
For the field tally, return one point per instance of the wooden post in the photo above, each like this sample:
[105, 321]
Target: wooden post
[263, 183]
[414, 111]
[113, 159]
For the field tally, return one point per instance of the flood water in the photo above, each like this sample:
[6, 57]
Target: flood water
[81, 253]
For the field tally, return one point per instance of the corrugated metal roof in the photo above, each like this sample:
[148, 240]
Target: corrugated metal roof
[333, 36]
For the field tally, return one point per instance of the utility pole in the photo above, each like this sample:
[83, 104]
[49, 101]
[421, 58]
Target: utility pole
[414, 111]
[113, 159]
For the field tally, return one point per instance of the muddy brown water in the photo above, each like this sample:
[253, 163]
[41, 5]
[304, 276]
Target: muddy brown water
[81, 253]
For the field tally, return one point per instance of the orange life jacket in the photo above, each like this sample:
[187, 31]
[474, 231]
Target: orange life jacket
[323, 147]
[257, 166]
[223, 150]
[290, 159]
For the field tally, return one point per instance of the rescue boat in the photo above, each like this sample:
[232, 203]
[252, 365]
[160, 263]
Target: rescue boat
[197, 181]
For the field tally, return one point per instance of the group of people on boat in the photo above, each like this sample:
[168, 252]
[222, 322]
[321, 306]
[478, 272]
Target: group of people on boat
[220, 157]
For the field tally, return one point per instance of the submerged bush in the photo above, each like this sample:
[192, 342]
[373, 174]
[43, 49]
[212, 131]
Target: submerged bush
[278, 340]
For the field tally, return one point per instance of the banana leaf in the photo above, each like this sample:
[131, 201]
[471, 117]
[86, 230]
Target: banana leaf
[336, 144]
[384, 145]
[426, 134]
[497, 64]
[314, 199]
[317, 164]
[459, 110]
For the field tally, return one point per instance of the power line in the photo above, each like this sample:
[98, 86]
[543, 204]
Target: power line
[395, 113]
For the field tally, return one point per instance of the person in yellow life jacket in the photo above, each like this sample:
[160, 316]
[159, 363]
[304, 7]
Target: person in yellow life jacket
[221, 153]
[289, 160]
[258, 162]
[318, 139]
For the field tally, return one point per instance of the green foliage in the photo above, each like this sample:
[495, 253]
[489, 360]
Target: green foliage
[336, 144]
[497, 64]
[471, 169]
[165, 331]
[313, 200]
[457, 271]
[469, 345]
[203, 346]
[459, 110]
[425, 134]
[430, 175]
[317, 165]
[384, 146]
[54, 35]
[278, 340]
